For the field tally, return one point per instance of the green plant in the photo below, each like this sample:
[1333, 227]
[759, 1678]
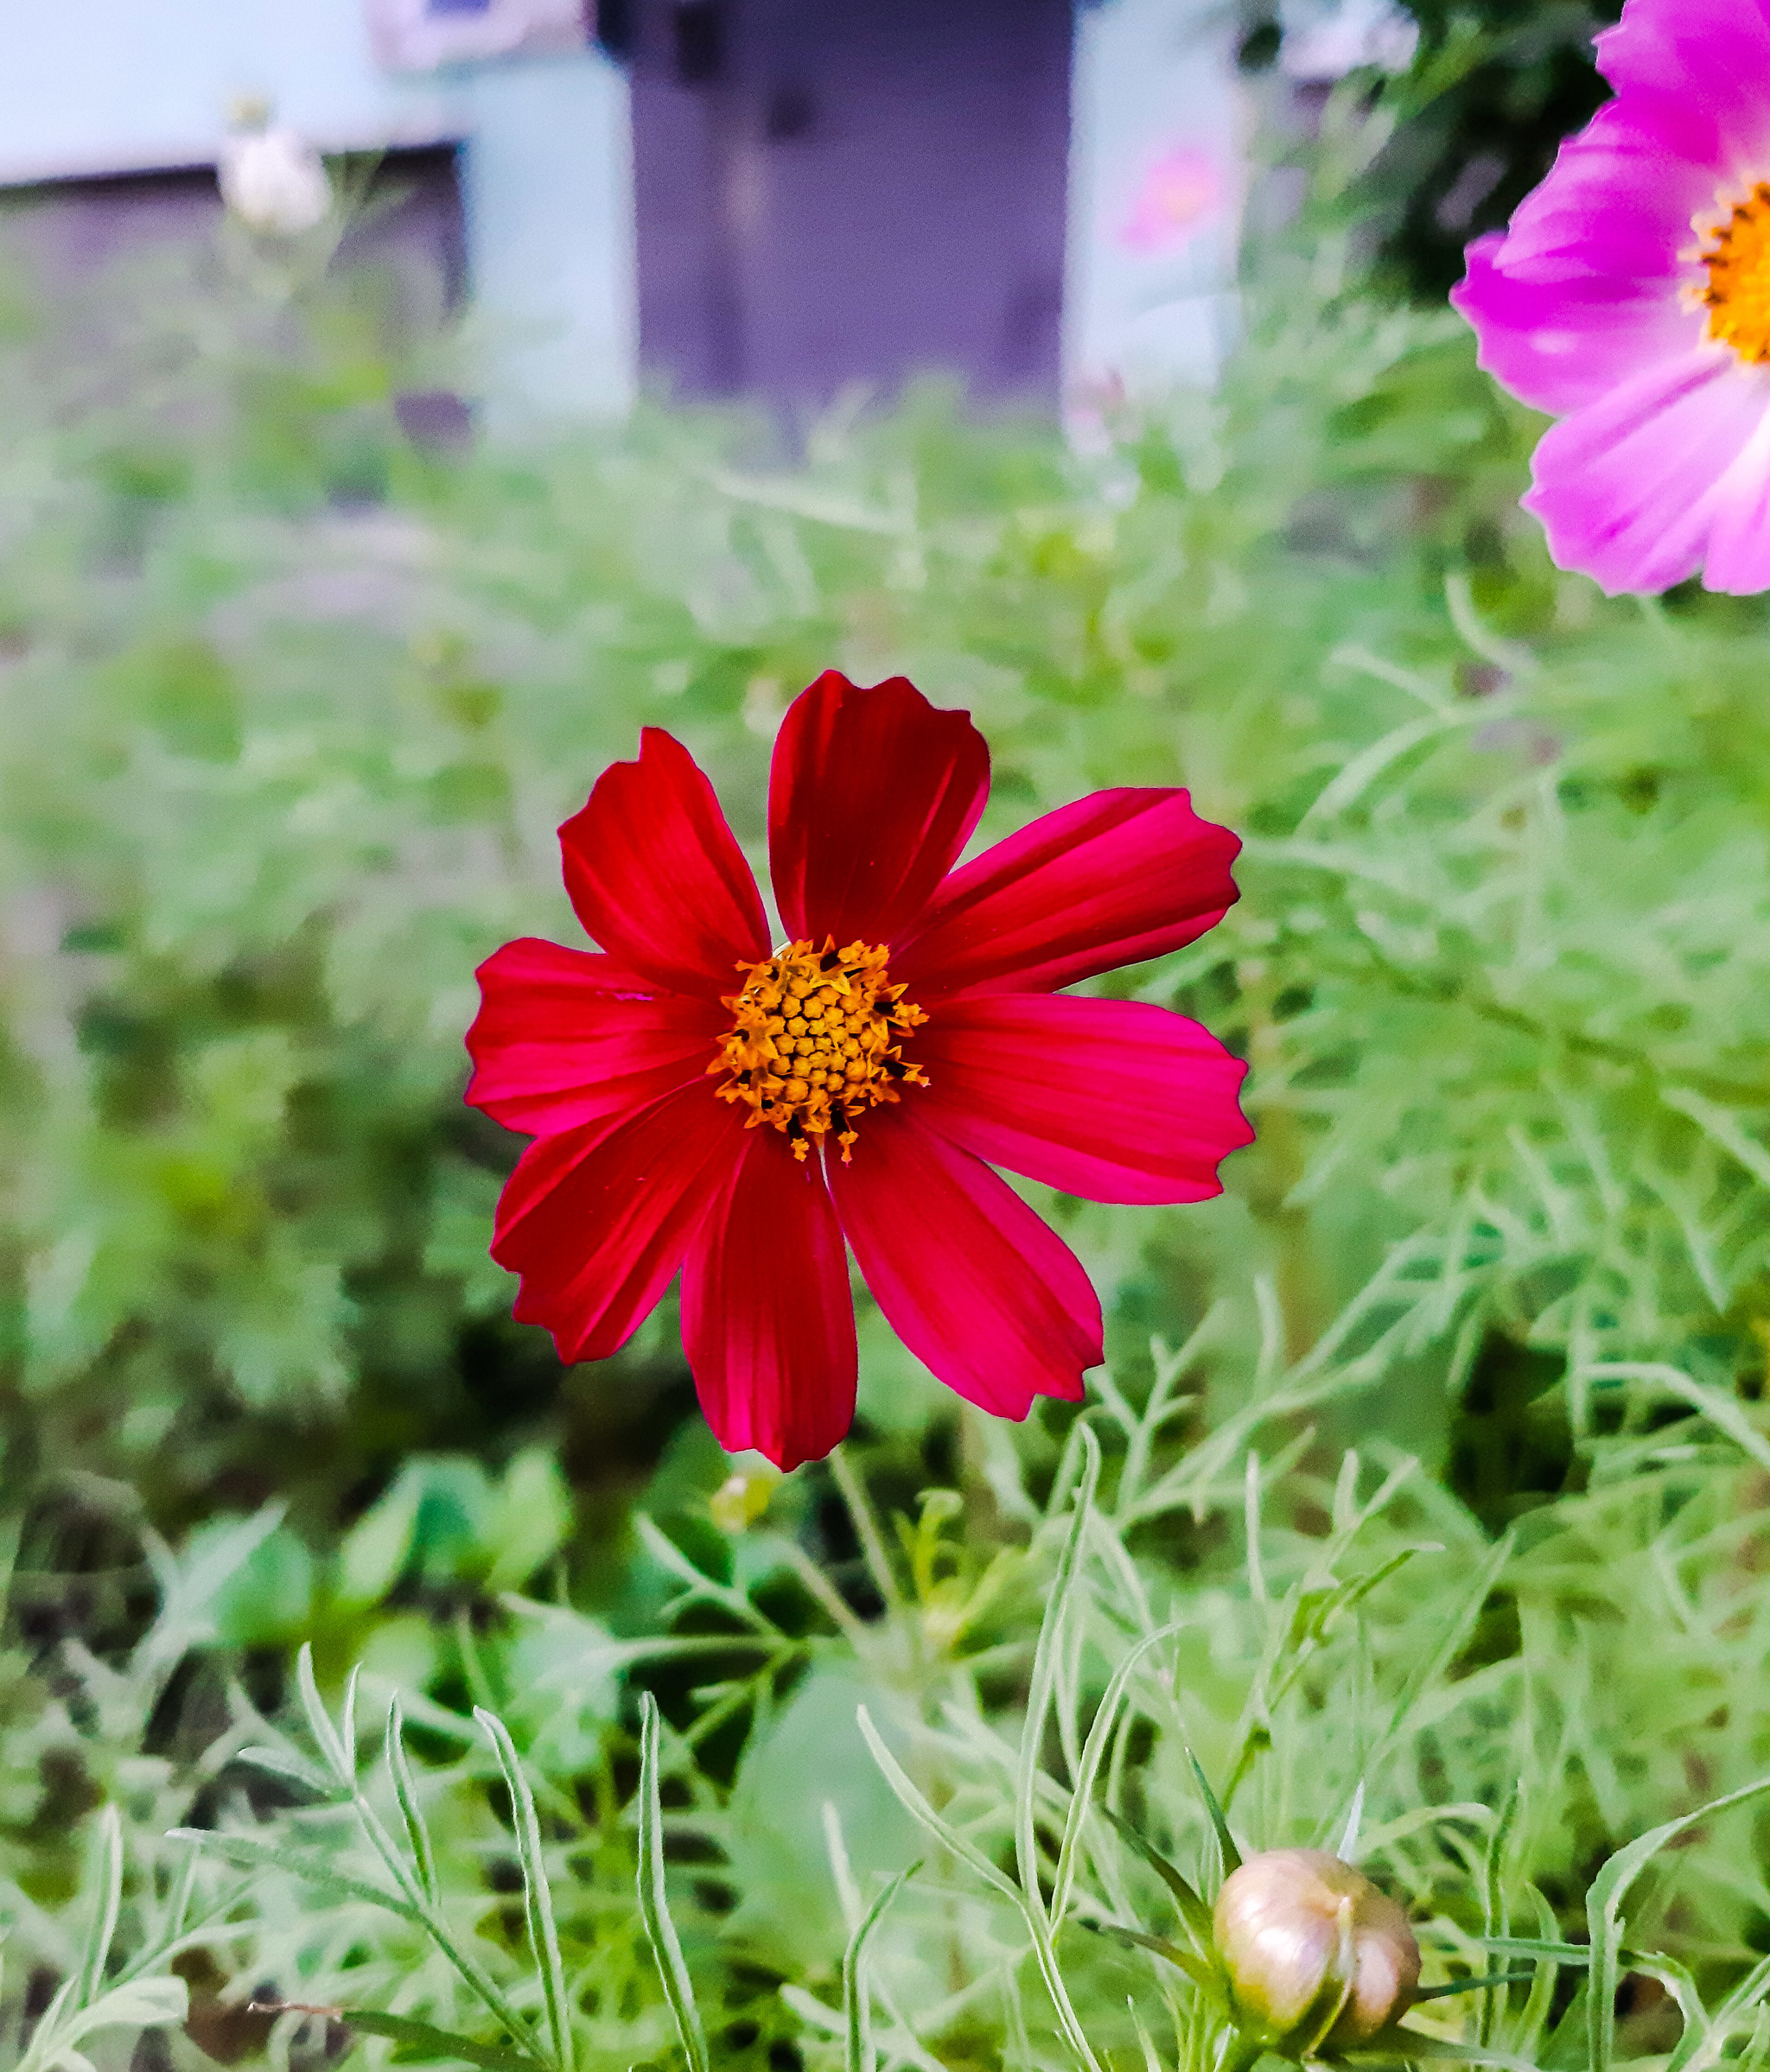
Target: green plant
[469, 1892]
[1429, 1463]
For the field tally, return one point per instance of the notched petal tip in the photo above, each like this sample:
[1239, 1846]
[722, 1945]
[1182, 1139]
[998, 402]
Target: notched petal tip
[1116, 878]
[597, 1220]
[1112, 1100]
[984, 1293]
[873, 794]
[564, 1037]
[656, 875]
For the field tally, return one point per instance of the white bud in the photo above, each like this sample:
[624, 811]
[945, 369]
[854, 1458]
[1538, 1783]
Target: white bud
[1316, 1955]
[272, 179]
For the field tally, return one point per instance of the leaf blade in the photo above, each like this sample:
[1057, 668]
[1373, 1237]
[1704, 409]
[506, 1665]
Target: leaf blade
[1603, 1913]
[537, 1892]
[655, 1907]
[856, 2007]
[405, 2029]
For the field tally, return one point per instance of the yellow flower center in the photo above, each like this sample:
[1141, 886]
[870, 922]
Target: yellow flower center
[815, 1041]
[1737, 258]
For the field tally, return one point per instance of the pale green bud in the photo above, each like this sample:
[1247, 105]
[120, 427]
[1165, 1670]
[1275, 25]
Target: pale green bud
[743, 1497]
[1317, 1957]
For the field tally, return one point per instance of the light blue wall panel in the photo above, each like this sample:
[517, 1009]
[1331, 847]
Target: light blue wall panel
[105, 85]
[1156, 189]
[547, 178]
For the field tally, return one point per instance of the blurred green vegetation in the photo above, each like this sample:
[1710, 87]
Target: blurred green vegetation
[1497, 84]
[1495, 87]
[290, 708]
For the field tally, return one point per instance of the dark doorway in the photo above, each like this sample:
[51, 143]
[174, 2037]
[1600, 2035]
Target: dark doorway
[854, 192]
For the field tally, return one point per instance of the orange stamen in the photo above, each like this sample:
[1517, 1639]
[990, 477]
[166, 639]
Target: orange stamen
[1737, 296]
[816, 1041]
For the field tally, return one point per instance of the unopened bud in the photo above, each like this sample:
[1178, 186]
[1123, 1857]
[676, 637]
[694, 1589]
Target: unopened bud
[1317, 1957]
[741, 1498]
[273, 181]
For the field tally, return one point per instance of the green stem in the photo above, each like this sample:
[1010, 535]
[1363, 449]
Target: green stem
[1243, 2053]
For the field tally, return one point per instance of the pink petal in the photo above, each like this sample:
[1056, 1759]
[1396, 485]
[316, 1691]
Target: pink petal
[1114, 878]
[1111, 1099]
[1559, 344]
[767, 1319]
[564, 1038]
[597, 1220]
[1586, 286]
[1629, 488]
[1739, 546]
[657, 877]
[1617, 203]
[872, 796]
[984, 1294]
[1704, 66]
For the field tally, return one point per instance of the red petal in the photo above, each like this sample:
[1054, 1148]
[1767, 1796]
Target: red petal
[657, 877]
[1114, 878]
[564, 1038]
[596, 1220]
[1111, 1099]
[767, 1320]
[980, 1290]
[873, 794]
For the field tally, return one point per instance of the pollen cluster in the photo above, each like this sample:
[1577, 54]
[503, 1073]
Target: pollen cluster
[815, 1041]
[1737, 296]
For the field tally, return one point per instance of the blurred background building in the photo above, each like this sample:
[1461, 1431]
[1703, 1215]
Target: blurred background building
[776, 198]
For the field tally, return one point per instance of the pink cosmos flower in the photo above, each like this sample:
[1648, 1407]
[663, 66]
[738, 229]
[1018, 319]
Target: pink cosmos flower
[1180, 189]
[703, 1101]
[1630, 298]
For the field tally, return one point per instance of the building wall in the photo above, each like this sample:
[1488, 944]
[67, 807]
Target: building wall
[547, 183]
[108, 86]
[828, 190]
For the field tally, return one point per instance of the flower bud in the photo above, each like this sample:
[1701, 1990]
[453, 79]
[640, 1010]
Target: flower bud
[271, 179]
[1317, 1957]
[743, 1497]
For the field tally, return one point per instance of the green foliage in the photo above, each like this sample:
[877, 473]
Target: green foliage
[275, 788]
[422, 1875]
[502, 1720]
[1494, 87]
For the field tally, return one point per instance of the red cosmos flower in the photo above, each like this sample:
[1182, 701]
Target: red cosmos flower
[703, 1101]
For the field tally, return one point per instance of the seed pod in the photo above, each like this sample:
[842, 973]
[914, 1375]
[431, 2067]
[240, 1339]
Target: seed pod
[1317, 1957]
